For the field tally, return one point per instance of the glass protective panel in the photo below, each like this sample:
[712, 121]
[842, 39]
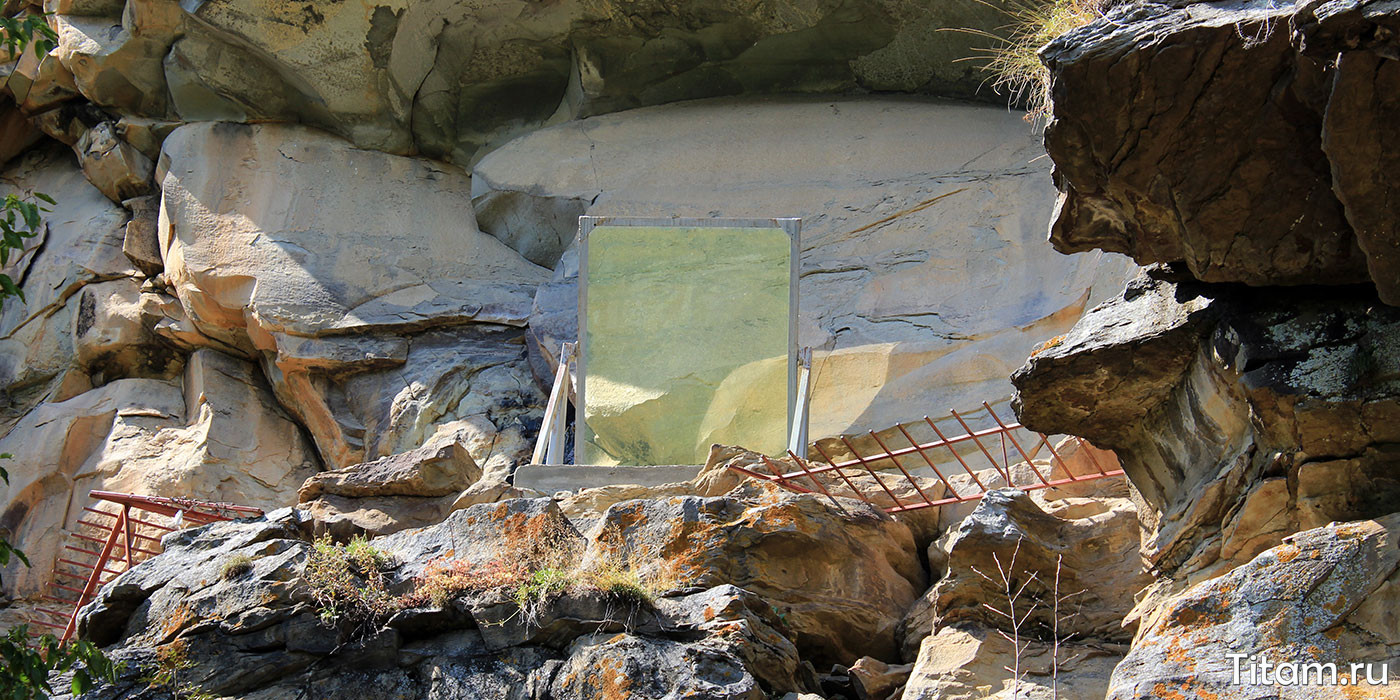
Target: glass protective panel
[686, 342]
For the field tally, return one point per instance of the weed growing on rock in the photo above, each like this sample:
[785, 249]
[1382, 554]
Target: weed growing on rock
[170, 662]
[622, 584]
[235, 566]
[541, 586]
[347, 582]
[1014, 59]
[446, 579]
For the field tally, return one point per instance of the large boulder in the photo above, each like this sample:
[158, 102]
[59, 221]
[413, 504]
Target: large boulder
[1240, 416]
[446, 80]
[219, 435]
[840, 579]
[410, 489]
[1286, 105]
[925, 205]
[970, 662]
[1326, 596]
[1083, 550]
[233, 604]
[375, 329]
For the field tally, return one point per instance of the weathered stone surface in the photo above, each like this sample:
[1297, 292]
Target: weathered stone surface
[869, 198]
[466, 384]
[796, 550]
[873, 679]
[113, 335]
[1357, 134]
[269, 188]
[429, 471]
[1280, 182]
[112, 165]
[445, 80]
[1327, 595]
[1249, 392]
[267, 251]
[116, 59]
[969, 662]
[1087, 548]
[193, 562]
[220, 437]
[255, 633]
[630, 666]
[508, 531]
[39, 83]
[76, 247]
[141, 245]
[17, 133]
[409, 489]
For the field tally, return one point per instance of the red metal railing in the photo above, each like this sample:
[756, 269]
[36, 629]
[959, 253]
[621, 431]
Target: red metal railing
[878, 457]
[125, 540]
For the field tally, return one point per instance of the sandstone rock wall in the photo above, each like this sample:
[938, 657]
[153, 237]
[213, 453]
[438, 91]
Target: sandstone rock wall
[924, 278]
[266, 258]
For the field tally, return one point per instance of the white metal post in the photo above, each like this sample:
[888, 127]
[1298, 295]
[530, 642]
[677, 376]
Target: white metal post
[797, 441]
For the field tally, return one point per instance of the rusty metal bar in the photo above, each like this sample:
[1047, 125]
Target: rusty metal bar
[934, 445]
[1015, 443]
[1032, 487]
[839, 472]
[906, 473]
[816, 481]
[91, 588]
[782, 482]
[878, 480]
[1085, 446]
[1044, 439]
[134, 519]
[957, 456]
[1006, 473]
[1004, 431]
[947, 484]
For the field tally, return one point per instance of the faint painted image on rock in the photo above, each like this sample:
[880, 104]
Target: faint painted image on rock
[687, 337]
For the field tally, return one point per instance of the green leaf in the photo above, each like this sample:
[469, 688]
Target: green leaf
[8, 285]
[30, 211]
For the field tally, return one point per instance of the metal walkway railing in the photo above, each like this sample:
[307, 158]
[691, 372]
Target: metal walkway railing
[877, 457]
[125, 540]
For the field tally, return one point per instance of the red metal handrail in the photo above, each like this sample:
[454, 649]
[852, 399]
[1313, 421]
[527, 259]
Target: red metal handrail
[120, 551]
[808, 472]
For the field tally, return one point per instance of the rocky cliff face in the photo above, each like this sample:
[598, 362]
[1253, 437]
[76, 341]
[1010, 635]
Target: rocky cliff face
[319, 255]
[1242, 145]
[269, 249]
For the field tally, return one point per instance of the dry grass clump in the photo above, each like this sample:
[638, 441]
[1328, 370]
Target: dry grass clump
[1014, 59]
[543, 560]
[445, 579]
[235, 566]
[347, 581]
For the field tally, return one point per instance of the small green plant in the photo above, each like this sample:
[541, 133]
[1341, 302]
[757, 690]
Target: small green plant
[623, 584]
[1014, 59]
[171, 661]
[19, 220]
[235, 566]
[541, 586]
[347, 582]
[20, 32]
